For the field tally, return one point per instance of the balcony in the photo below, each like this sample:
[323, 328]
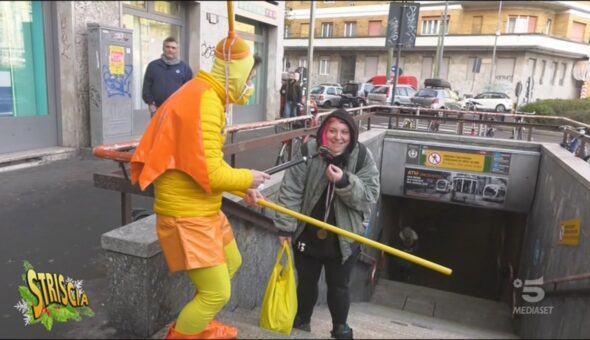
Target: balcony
[508, 42]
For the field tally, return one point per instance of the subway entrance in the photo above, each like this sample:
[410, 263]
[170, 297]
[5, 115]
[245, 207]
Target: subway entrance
[482, 246]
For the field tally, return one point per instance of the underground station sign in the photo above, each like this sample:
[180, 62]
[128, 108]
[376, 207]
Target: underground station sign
[467, 175]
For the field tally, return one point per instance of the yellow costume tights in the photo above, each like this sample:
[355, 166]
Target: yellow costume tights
[213, 292]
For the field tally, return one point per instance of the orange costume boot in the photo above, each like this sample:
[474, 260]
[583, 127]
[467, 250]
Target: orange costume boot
[214, 330]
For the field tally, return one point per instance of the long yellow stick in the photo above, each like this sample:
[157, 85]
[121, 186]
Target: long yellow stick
[395, 252]
[230, 15]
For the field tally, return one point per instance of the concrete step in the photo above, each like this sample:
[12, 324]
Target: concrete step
[19, 160]
[368, 320]
[465, 309]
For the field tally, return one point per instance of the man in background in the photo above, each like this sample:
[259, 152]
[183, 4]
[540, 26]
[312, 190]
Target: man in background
[164, 76]
[292, 93]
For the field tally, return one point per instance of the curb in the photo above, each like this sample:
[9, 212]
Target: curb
[31, 158]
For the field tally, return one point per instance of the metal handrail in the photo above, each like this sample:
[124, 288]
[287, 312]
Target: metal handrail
[568, 279]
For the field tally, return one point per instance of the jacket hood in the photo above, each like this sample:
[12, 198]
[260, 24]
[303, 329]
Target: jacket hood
[345, 117]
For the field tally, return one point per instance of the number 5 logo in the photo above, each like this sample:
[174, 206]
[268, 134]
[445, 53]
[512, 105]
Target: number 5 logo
[530, 293]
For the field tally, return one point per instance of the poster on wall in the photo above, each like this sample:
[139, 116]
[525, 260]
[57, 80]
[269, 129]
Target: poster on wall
[117, 60]
[472, 177]
[6, 98]
[456, 187]
[480, 161]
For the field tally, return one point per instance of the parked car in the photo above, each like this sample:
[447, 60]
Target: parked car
[326, 95]
[493, 101]
[355, 94]
[381, 95]
[437, 94]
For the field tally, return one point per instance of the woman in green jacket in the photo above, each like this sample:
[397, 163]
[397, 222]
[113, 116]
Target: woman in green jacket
[335, 189]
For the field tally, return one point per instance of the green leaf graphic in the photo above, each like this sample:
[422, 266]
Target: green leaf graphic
[32, 320]
[26, 294]
[58, 313]
[86, 311]
[27, 265]
[47, 321]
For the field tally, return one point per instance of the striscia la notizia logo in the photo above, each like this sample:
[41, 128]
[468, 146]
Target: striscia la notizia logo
[50, 297]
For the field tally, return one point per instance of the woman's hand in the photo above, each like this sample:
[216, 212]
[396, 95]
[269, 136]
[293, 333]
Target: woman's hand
[334, 173]
[283, 239]
[258, 177]
[252, 196]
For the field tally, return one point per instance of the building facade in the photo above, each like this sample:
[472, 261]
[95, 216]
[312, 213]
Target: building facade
[539, 44]
[45, 97]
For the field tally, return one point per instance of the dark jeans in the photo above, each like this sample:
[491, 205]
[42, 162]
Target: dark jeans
[337, 280]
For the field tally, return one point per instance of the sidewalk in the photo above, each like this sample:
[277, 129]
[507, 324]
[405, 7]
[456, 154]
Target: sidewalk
[52, 216]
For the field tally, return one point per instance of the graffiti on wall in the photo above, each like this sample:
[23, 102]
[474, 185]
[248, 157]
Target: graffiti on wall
[207, 51]
[117, 85]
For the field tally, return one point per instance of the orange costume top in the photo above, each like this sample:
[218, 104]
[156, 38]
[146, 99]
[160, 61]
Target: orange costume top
[181, 151]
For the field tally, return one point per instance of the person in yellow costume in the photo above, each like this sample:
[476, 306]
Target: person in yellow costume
[181, 153]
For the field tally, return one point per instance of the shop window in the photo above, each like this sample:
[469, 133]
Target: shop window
[23, 83]
[157, 21]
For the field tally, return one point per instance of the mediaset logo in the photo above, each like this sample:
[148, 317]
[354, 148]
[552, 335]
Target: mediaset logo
[532, 293]
[50, 297]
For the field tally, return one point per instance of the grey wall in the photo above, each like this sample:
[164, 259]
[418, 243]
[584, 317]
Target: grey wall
[563, 193]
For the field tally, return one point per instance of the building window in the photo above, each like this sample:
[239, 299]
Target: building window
[562, 77]
[324, 66]
[350, 29]
[543, 66]
[505, 69]
[23, 80]
[548, 27]
[433, 25]
[554, 64]
[476, 25]
[578, 30]
[521, 24]
[304, 30]
[327, 28]
[375, 28]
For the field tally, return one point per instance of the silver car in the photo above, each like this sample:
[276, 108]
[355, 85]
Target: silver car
[381, 95]
[326, 95]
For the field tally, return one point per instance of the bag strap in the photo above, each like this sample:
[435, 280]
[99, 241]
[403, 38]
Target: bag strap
[360, 160]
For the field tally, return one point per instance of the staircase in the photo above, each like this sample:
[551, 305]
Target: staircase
[396, 310]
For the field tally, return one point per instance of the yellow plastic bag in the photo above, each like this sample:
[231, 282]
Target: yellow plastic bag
[280, 299]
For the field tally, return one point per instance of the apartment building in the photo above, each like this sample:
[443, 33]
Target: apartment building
[46, 92]
[544, 41]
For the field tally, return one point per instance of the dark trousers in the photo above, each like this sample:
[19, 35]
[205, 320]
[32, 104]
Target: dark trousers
[337, 280]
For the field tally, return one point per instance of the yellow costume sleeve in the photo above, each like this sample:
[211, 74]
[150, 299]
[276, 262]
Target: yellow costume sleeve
[222, 177]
